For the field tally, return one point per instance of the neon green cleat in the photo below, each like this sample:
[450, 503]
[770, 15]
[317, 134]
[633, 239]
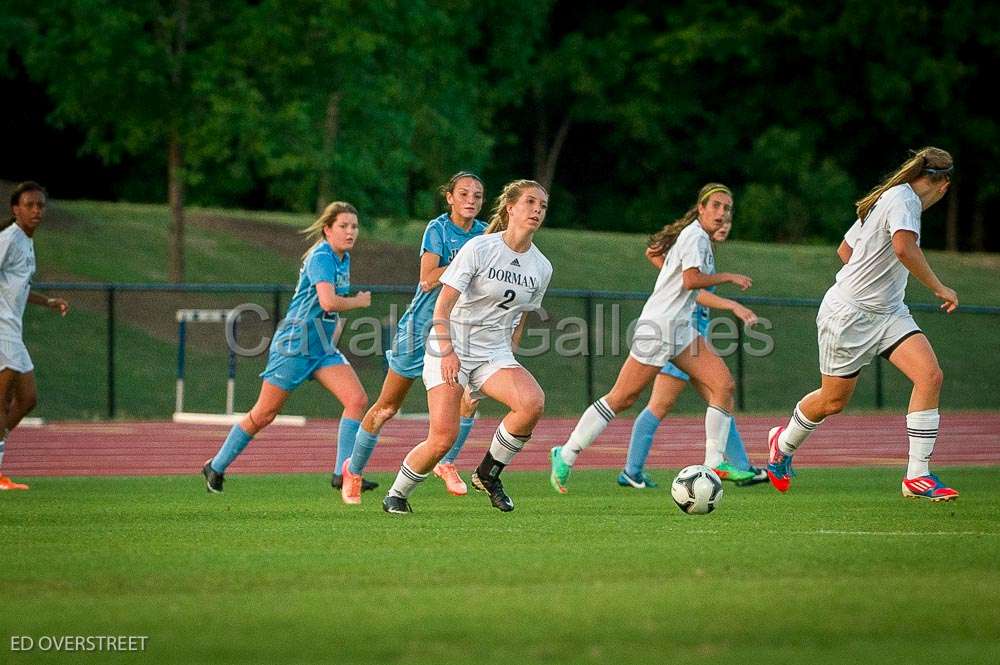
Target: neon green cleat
[727, 471]
[560, 470]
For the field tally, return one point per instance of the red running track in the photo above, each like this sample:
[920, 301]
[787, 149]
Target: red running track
[148, 448]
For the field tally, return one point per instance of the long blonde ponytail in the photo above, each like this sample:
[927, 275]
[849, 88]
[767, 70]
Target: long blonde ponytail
[932, 162]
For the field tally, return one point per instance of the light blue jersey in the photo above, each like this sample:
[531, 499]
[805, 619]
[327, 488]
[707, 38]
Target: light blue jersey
[444, 238]
[307, 330]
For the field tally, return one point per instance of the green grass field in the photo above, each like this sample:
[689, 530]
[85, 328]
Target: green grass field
[278, 570]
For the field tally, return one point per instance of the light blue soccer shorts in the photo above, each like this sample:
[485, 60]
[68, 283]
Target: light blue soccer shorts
[671, 369]
[288, 372]
[408, 364]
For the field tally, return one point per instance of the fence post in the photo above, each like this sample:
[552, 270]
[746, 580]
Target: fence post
[879, 400]
[111, 350]
[277, 307]
[592, 344]
[740, 395]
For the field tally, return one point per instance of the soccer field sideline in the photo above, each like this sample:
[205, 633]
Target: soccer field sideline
[163, 448]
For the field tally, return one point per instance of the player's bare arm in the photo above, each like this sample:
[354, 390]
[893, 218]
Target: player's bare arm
[57, 304]
[844, 252]
[904, 244]
[331, 302]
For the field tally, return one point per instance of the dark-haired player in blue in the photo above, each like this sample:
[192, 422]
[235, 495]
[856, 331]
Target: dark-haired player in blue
[444, 236]
[304, 347]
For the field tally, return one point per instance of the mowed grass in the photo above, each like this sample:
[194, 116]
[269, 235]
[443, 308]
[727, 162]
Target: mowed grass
[841, 569]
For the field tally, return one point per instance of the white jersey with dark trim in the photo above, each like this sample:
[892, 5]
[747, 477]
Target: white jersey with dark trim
[17, 267]
[671, 304]
[874, 279]
[497, 285]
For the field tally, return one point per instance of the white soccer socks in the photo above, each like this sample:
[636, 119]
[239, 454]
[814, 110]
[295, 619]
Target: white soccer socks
[717, 424]
[796, 431]
[591, 424]
[922, 430]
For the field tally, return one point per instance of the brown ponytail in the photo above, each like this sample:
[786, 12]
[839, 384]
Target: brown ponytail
[932, 162]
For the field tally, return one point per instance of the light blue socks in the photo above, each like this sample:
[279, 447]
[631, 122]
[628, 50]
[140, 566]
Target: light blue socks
[463, 433]
[346, 434]
[231, 448]
[642, 440]
[364, 446]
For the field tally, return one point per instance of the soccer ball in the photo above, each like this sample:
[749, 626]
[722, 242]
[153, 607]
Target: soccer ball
[696, 490]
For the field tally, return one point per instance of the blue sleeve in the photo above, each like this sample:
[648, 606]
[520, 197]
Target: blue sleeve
[321, 268]
[433, 241]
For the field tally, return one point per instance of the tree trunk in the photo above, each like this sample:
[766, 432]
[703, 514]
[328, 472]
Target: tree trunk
[331, 125]
[547, 154]
[951, 219]
[175, 194]
[175, 148]
[978, 228]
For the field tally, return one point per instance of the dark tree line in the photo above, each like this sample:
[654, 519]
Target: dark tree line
[624, 110]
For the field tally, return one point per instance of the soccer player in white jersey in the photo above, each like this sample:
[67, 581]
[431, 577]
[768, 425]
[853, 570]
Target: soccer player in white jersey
[444, 236]
[666, 333]
[863, 314]
[479, 317]
[18, 394]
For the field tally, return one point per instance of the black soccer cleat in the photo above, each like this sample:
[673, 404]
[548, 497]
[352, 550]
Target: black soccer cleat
[337, 481]
[396, 505]
[494, 488]
[213, 479]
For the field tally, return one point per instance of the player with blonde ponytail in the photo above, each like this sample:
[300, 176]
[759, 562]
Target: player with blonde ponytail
[666, 333]
[863, 314]
[304, 345]
[489, 287]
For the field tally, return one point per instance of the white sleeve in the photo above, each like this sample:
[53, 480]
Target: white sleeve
[463, 267]
[694, 252]
[904, 216]
[853, 234]
[536, 298]
[5, 245]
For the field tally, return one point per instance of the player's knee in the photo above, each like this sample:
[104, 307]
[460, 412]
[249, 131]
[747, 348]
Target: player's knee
[440, 441]
[532, 406]
[661, 406]
[834, 405]
[263, 417]
[384, 412]
[356, 403]
[29, 402]
[934, 378]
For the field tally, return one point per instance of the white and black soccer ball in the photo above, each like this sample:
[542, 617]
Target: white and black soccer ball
[696, 490]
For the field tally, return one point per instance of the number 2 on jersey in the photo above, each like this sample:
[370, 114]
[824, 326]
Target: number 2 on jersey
[509, 294]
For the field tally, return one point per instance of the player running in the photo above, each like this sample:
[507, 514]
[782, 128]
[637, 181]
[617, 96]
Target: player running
[478, 319]
[443, 238]
[863, 314]
[18, 393]
[670, 382]
[304, 346]
[665, 333]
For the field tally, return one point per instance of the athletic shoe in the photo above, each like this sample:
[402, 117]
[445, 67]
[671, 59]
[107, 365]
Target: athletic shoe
[8, 484]
[639, 482]
[779, 465]
[759, 476]
[396, 505]
[213, 479]
[350, 492]
[560, 470]
[337, 483]
[928, 487]
[452, 481]
[727, 471]
[494, 488]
